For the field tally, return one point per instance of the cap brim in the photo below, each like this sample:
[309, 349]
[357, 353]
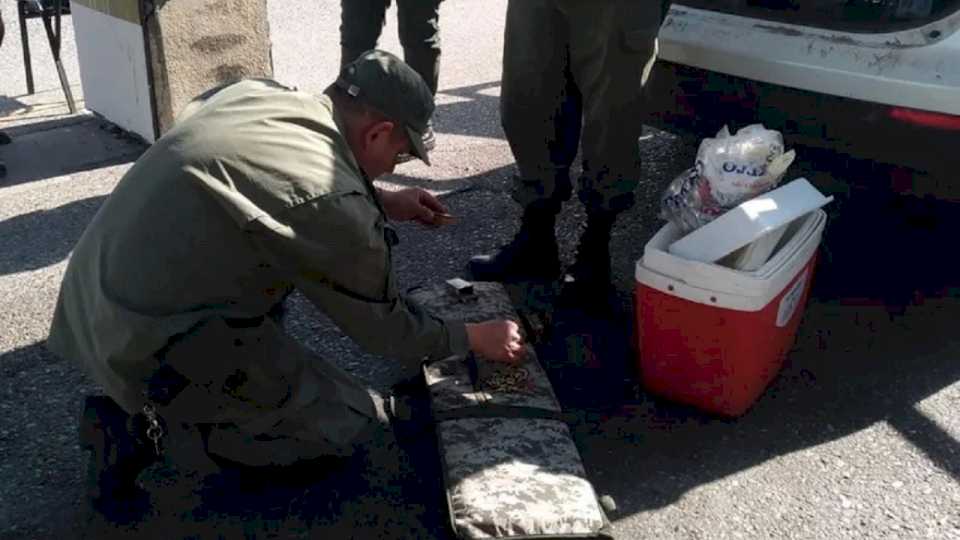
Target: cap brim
[416, 145]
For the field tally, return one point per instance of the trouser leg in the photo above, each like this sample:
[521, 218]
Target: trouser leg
[612, 50]
[540, 113]
[266, 399]
[419, 28]
[361, 22]
[540, 108]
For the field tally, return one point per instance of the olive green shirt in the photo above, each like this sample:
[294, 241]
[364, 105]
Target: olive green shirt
[253, 193]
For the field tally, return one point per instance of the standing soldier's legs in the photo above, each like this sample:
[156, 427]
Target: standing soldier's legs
[613, 47]
[361, 22]
[540, 113]
[419, 27]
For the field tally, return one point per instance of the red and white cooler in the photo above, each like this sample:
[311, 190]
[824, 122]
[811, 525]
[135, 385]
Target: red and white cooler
[714, 337]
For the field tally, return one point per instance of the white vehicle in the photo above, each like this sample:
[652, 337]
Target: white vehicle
[873, 79]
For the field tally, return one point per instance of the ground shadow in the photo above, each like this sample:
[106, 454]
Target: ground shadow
[63, 146]
[889, 248]
[833, 386]
[42, 466]
[460, 116]
[11, 104]
[372, 495]
[43, 237]
[496, 180]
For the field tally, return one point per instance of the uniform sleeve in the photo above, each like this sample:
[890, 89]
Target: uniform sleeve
[336, 253]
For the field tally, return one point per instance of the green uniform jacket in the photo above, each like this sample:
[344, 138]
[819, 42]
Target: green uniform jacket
[254, 192]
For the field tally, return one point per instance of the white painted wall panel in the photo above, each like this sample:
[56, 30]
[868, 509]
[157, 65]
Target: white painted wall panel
[113, 68]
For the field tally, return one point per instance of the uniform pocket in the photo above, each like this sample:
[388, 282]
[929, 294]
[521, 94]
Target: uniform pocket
[390, 239]
[641, 24]
[245, 367]
[639, 39]
[390, 235]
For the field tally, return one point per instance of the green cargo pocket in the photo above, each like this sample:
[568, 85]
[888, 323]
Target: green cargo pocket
[640, 41]
[641, 50]
[244, 368]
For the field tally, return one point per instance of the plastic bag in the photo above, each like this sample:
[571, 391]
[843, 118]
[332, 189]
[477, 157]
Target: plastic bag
[729, 169]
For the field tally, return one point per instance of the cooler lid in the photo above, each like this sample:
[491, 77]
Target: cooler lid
[749, 221]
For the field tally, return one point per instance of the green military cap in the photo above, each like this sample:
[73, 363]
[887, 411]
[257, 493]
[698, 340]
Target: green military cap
[389, 85]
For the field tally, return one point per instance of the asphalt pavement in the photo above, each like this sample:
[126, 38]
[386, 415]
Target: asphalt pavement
[858, 437]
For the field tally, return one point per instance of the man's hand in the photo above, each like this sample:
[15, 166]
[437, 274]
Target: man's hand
[414, 204]
[497, 340]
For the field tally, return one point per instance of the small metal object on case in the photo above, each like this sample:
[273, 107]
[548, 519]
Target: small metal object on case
[462, 288]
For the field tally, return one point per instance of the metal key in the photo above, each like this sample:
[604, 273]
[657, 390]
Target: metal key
[154, 429]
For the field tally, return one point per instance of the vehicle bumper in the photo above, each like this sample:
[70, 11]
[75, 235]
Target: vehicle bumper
[698, 102]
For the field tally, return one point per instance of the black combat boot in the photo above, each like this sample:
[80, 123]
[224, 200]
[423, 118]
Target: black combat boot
[589, 277]
[117, 459]
[531, 255]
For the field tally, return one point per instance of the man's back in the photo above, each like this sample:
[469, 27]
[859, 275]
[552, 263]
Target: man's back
[174, 244]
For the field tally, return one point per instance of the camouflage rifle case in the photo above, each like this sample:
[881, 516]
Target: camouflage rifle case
[511, 468]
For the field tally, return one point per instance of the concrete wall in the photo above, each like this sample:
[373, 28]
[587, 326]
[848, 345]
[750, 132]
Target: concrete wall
[196, 45]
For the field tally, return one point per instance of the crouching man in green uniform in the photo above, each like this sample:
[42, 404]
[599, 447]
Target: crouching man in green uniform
[169, 299]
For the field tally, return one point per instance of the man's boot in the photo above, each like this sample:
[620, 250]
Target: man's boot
[590, 273]
[117, 459]
[531, 255]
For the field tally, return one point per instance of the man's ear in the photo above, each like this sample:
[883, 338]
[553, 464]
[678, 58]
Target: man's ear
[378, 133]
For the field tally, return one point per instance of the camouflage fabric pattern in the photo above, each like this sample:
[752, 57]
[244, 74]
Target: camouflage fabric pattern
[451, 385]
[516, 477]
[489, 301]
[505, 477]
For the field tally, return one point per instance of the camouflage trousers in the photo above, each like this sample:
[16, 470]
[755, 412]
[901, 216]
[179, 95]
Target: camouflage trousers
[361, 22]
[264, 399]
[573, 73]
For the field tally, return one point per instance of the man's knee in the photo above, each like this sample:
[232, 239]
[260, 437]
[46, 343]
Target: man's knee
[614, 199]
[544, 187]
[294, 439]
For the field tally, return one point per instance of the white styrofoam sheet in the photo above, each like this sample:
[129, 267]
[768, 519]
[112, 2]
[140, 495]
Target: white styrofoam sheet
[749, 221]
[719, 286]
[113, 69]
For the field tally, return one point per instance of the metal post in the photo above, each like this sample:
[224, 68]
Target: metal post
[25, 41]
[54, 38]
